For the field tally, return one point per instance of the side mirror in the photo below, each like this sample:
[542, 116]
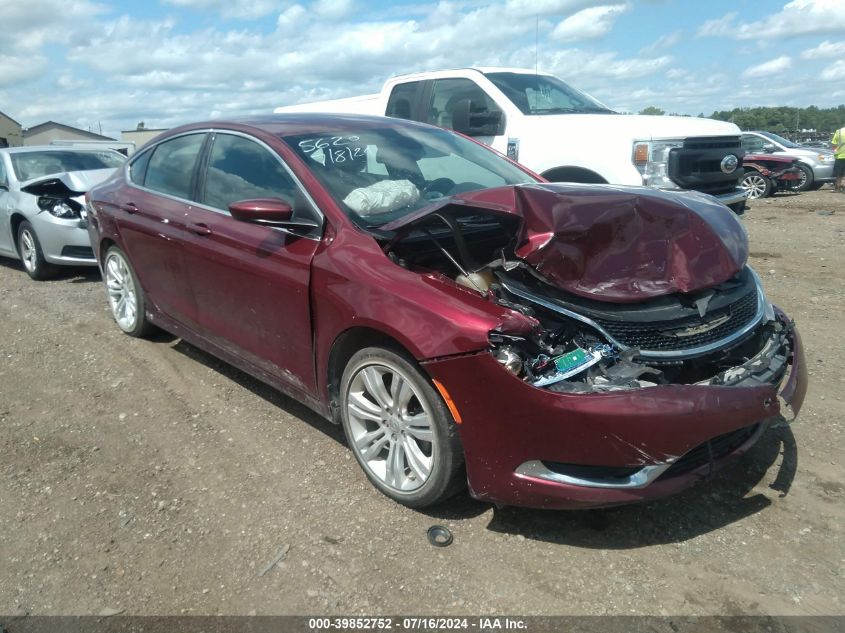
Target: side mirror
[268, 211]
[769, 148]
[476, 123]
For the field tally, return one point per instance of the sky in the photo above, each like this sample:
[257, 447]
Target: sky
[106, 65]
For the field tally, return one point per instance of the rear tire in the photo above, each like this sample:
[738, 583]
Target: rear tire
[126, 297]
[32, 255]
[399, 429]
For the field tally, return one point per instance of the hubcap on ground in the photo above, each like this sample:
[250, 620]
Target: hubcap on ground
[122, 298]
[390, 427]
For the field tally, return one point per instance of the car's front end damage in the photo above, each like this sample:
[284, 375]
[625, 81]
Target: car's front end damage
[640, 352]
[56, 206]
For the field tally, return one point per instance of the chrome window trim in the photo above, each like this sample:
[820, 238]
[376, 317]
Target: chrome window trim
[672, 354]
[535, 469]
[321, 217]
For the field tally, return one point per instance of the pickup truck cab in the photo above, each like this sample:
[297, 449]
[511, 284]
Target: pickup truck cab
[562, 133]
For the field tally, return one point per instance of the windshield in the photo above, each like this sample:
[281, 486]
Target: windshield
[544, 94]
[779, 139]
[379, 175]
[29, 165]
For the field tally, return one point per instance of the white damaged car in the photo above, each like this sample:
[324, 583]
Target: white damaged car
[42, 205]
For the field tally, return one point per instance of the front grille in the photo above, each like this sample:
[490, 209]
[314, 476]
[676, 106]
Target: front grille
[712, 142]
[78, 252]
[714, 448]
[698, 164]
[661, 335]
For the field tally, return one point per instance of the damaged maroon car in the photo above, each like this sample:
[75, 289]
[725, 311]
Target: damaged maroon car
[766, 174]
[550, 345]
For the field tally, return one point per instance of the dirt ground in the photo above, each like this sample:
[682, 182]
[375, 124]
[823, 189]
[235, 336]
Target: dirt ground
[149, 478]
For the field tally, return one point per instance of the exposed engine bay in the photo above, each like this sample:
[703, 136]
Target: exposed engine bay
[723, 333]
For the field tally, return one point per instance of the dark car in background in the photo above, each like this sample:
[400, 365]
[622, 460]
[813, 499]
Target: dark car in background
[550, 345]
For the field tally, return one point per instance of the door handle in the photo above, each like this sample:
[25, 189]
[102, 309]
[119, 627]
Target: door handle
[199, 228]
[129, 207]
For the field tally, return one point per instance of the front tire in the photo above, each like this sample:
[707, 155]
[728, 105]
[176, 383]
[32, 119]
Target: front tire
[756, 185]
[399, 429]
[32, 255]
[126, 297]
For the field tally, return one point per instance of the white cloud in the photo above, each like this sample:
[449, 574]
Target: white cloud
[577, 65]
[591, 23]
[661, 43]
[773, 66]
[15, 70]
[834, 72]
[238, 9]
[291, 18]
[799, 17]
[333, 9]
[825, 50]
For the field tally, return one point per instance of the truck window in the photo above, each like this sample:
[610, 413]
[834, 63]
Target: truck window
[447, 93]
[544, 94]
[401, 98]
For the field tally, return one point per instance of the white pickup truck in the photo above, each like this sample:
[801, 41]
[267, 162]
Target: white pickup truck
[560, 132]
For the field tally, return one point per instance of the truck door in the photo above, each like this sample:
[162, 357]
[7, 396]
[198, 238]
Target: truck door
[460, 104]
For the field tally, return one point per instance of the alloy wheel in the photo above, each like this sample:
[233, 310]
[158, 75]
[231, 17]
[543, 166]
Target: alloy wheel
[755, 186]
[29, 252]
[391, 426]
[123, 298]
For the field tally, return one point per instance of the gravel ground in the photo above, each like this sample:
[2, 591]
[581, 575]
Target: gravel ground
[149, 478]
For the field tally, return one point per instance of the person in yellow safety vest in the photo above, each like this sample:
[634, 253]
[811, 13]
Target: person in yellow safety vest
[839, 165]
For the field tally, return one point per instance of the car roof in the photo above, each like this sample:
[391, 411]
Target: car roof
[294, 123]
[24, 149]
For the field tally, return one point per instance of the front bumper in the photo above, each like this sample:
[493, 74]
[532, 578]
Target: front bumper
[512, 430]
[822, 172]
[64, 242]
[733, 197]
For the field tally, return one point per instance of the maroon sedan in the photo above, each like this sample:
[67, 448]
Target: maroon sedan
[550, 345]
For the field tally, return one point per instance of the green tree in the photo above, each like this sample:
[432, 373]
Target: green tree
[653, 110]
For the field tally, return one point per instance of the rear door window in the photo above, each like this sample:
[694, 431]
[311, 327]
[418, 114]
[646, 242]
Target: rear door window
[172, 165]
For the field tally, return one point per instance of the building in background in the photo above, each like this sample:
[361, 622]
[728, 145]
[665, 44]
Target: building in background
[45, 133]
[11, 134]
[140, 134]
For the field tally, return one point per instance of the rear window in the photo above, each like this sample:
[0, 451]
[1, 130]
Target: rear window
[29, 165]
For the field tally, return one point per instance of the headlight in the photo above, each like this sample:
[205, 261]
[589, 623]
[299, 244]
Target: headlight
[769, 309]
[826, 158]
[66, 209]
[651, 159]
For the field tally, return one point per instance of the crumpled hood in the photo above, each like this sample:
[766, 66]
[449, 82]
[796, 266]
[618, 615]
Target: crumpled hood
[628, 244]
[66, 183]
[614, 243]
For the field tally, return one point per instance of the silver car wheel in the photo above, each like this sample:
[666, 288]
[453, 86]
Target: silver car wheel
[391, 426]
[123, 297]
[755, 186]
[29, 253]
